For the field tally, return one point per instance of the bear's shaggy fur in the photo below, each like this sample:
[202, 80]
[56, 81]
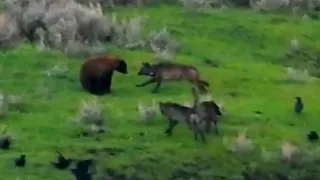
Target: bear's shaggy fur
[96, 73]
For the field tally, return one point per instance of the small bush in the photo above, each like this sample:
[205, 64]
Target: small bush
[294, 44]
[147, 112]
[271, 5]
[10, 102]
[91, 113]
[57, 70]
[91, 116]
[298, 75]
[77, 49]
[163, 45]
[241, 144]
[303, 6]
[16, 103]
[303, 62]
[288, 151]
[9, 33]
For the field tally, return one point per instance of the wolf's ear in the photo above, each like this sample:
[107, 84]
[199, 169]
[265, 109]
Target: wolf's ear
[145, 64]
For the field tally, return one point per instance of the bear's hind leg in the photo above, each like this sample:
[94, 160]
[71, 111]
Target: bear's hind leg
[106, 82]
[88, 85]
[95, 87]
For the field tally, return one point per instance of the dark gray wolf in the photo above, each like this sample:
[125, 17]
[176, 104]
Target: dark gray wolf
[167, 71]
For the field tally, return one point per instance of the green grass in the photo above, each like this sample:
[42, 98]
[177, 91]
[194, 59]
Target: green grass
[247, 45]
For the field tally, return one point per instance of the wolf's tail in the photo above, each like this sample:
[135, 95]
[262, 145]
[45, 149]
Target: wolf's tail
[195, 94]
[204, 83]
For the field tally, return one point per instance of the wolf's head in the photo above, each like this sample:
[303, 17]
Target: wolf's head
[147, 70]
[164, 107]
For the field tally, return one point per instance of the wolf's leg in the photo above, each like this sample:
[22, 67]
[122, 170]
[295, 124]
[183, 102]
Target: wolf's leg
[170, 128]
[193, 126]
[203, 138]
[150, 81]
[156, 88]
[208, 126]
[195, 134]
[189, 123]
[216, 127]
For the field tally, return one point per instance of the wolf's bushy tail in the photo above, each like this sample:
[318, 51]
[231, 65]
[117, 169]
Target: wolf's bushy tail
[195, 94]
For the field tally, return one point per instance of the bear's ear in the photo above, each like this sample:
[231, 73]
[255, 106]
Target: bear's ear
[145, 64]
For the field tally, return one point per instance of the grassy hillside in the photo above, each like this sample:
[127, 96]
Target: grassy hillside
[249, 48]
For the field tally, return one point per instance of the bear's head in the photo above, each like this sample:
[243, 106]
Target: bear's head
[122, 67]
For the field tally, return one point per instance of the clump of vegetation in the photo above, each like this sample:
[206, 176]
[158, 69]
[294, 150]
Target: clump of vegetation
[58, 70]
[163, 45]
[302, 61]
[10, 102]
[242, 144]
[91, 116]
[75, 29]
[300, 8]
[16, 103]
[295, 45]
[295, 75]
[288, 151]
[147, 112]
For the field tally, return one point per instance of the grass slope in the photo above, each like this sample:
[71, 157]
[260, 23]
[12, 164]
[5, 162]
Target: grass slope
[246, 44]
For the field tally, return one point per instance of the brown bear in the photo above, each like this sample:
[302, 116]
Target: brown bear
[96, 73]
